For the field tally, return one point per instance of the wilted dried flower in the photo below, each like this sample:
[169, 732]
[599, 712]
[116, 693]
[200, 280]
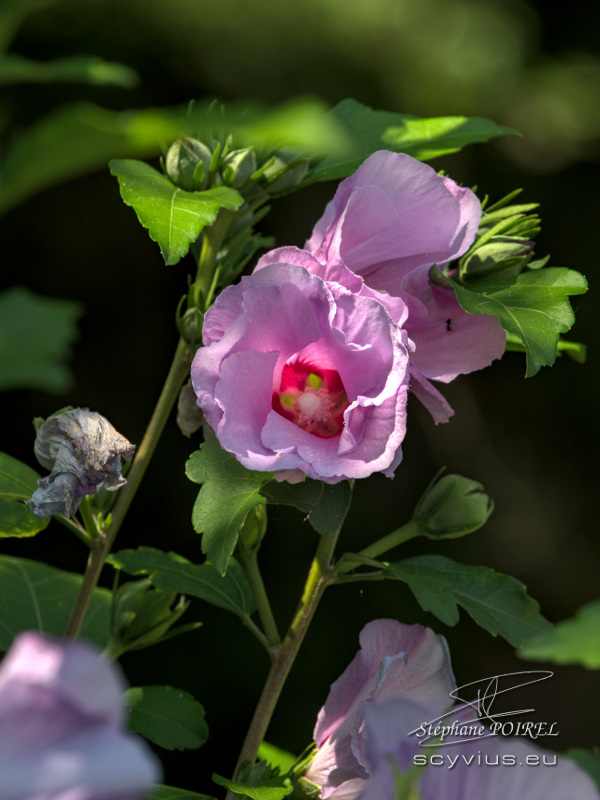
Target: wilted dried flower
[83, 452]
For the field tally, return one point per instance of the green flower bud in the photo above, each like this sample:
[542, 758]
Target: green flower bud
[188, 163]
[452, 506]
[239, 165]
[142, 616]
[287, 171]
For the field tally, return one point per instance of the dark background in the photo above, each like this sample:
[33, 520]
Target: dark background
[532, 443]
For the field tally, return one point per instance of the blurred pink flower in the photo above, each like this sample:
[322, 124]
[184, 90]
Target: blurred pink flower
[394, 660]
[303, 377]
[61, 714]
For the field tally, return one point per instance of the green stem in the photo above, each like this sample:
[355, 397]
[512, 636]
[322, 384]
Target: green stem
[75, 527]
[101, 545]
[388, 542]
[212, 239]
[249, 562]
[319, 577]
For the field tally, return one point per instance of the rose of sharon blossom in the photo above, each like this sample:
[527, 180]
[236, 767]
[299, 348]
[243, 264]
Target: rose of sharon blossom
[83, 452]
[60, 727]
[385, 227]
[485, 768]
[395, 660]
[303, 377]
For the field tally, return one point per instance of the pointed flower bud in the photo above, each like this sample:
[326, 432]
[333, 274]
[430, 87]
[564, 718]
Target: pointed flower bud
[187, 164]
[83, 452]
[239, 166]
[453, 506]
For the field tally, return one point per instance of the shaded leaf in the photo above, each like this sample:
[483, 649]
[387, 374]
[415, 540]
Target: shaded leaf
[371, 130]
[17, 483]
[77, 69]
[499, 603]
[533, 306]
[35, 596]
[572, 641]
[35, 337]
[174, 218]
[169, 717]
[325, 504]
[170, 572]
[431, 589]
[229, 491]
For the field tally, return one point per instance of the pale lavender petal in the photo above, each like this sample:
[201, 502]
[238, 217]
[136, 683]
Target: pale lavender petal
[489, 777]
[397, 208]
[448, 341]
[428, 395]
[60, 735]
[425, 675]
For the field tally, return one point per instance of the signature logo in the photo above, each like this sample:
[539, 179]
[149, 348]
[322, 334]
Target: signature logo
[476, 719]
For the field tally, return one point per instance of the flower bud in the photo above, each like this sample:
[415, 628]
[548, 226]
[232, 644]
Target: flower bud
[188, 163]
[239, 165]
[452, 506]
[142, 615]
[83, 452]
[286, 172]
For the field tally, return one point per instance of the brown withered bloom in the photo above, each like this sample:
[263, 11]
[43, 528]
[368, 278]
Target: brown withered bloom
[83, 452]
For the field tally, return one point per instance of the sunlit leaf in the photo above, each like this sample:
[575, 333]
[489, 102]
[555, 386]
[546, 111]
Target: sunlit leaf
[533, 306]
[370, 130]
[228, 492]
[572, 641]
[174, 218]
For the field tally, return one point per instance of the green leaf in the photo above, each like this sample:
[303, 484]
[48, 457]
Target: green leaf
[533, 306]
[35, 337]
[572, 641]
[17, 480]
[229, 491]
[17, 483]
[174, 218]
[271, 789]
[499, 603]
[371, 130]
[589, 760]
[171, 793]
[170, 572]
[431, 589]
[169, 717]
[35, 596]
[325, 504]
[76, 69]
[276, 757]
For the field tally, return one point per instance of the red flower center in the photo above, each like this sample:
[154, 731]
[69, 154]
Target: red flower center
[314, 399]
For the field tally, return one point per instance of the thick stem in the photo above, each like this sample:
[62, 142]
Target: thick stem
[319, 577]
[102, 544]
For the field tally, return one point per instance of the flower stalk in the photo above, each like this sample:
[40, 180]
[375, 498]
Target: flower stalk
[102, 543]
[320, 576]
